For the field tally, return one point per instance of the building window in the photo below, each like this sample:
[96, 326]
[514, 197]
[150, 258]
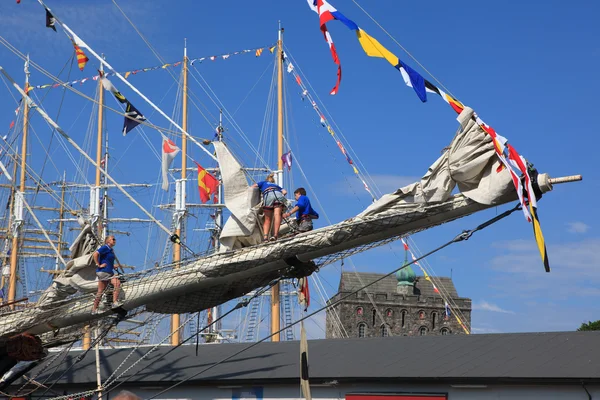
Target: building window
[445, 331]
[389, 313]
[403, 314]
[422, 331]
[434, 317]
[361, 329]
[359, 311]
[374, 316]
[421, 314]
[385, 331]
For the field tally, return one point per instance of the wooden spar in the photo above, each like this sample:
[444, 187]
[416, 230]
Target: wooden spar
[61, 216]
[12, 281]
[87, 337]
[10, 217]
[275, 306]
[175, 319]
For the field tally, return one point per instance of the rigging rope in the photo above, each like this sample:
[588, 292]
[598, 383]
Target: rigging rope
[402, 47]
[81, 43]
[243, 303]
[33, 105]
[465, 235]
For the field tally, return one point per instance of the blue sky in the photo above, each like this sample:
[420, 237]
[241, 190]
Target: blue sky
[528, 68]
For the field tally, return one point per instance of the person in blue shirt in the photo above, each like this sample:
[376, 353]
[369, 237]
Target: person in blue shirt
[273, 202]
[104, 258]
[304, 211]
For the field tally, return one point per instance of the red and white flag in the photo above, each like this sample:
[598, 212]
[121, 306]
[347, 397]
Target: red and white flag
[169, 151]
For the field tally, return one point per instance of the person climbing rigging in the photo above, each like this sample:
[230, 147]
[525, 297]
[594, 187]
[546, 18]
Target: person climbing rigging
[104, 258]
[273, 203]
[304, 212]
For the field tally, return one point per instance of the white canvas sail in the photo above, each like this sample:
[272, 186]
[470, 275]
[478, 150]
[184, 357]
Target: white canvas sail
[241, 228]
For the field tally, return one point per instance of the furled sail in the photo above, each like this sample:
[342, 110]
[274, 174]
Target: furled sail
[469, 163]
[241, 228]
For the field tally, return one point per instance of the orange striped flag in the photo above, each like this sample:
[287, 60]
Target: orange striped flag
[81, 57]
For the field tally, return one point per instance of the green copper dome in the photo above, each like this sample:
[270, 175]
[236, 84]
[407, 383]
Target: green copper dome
[406, 276]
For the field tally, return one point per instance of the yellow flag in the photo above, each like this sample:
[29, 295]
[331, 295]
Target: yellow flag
[272, 49]
[374, 49]
[539, 237]
[127, 74]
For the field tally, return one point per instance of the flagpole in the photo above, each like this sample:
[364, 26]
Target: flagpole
[275, 305]
[81, 43]
[179, 215]
[18, 200]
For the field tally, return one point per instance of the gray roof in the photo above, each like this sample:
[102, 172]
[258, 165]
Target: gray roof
[351, 281]
[515, 357]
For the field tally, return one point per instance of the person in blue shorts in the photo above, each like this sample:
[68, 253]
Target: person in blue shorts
[304, 211]
[273, 202]
[105, 271]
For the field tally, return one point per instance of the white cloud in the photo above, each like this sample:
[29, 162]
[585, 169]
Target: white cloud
[578, 227]
[485, 306]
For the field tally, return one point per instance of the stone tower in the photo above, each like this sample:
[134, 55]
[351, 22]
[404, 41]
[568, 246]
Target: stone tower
[404, 305]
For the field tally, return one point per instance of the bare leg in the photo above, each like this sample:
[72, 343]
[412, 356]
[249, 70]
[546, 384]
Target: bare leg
[267, 222]
[277, 221]
[116, 288]
[101, 288]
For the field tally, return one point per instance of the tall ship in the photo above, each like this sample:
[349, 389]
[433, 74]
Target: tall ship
[173, 177]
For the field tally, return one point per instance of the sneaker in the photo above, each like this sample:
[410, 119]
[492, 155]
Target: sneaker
[272, 239]
[94, 312]
[117, 304]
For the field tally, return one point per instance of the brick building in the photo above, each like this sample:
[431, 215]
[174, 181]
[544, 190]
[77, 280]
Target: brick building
[404, 305]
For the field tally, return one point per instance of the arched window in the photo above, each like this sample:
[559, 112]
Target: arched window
[434, 317]
[362, 327]
[421, 314]
[403, 315]
[445, 331]
[389, 313]
[374, 316]
[422, 331]
[385, 330]
[359, 311]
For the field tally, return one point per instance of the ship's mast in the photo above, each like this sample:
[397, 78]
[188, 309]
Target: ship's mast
[95, 192]
[61, 216]
[99, 156]
[275, 305]
[180, 189]
[18, 199]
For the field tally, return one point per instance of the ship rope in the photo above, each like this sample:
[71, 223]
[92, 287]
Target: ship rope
[163, 61]
[465, 235]
[44, 368]
[403, 48]
[441, 289]
[349, 259]
[177, 274]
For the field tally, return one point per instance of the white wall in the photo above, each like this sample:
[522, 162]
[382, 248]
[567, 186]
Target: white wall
[457, 392]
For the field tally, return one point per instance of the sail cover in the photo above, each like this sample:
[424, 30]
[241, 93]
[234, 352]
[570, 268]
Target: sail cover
[241, 228]
[469, 163]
